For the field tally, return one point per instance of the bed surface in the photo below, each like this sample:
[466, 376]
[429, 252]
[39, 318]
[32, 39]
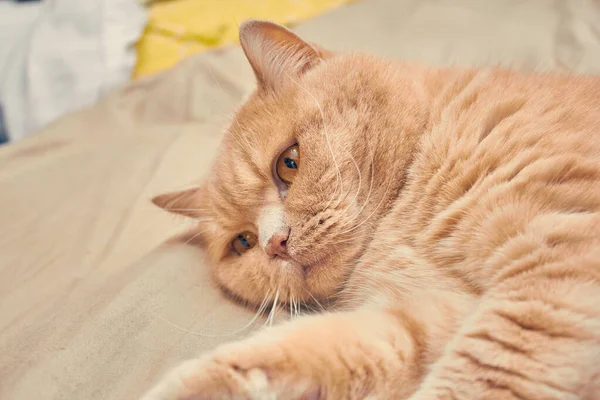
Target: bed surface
[95, 301]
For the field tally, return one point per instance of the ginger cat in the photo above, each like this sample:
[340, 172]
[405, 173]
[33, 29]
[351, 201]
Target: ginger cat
[450, 217]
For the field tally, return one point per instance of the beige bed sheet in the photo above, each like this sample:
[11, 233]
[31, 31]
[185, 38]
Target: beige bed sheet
[93, 303]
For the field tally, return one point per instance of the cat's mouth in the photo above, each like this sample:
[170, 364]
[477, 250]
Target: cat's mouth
[305, 269]
[308, 263]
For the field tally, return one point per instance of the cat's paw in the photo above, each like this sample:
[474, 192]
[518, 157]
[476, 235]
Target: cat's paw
[243, 370]
[348, 356]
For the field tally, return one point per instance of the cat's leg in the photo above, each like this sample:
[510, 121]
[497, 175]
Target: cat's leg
[536, 335]
[345, 355]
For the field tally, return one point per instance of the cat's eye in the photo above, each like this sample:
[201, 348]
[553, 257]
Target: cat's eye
[288, 163]
[244, 242]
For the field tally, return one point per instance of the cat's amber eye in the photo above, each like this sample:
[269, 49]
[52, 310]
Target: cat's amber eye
[244, 242]
[288, 163]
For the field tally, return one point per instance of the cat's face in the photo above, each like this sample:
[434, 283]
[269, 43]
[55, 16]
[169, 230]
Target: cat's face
[305, 171]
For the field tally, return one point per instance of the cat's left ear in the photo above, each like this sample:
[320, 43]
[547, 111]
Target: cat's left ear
[276, 53]
[184, 202]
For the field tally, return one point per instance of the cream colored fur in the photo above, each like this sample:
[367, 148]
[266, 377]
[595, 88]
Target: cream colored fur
[449, 217]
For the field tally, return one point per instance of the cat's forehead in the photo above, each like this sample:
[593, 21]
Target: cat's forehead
[263, 127]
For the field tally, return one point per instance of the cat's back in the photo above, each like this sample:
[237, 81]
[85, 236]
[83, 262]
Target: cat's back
[485, 109]
[505, 155]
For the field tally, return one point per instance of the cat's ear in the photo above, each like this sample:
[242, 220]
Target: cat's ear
[184, 202]
[276, 53]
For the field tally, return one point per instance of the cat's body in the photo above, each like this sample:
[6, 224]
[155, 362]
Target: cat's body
[452, 218]
[501, 206]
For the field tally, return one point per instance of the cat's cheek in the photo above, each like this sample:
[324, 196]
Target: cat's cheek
[244, 279]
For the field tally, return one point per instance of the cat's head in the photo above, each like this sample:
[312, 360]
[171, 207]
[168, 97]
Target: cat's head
[309, 165]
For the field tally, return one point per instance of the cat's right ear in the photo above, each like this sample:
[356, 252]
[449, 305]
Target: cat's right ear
[184, 202]
[276, 53]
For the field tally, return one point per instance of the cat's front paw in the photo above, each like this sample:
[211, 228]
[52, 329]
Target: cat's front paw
[243, 370]
[350, 356]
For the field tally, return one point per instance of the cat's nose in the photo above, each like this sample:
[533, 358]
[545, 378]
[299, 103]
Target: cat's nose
[277, 246]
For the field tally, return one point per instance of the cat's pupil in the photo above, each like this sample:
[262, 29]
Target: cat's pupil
[243, 241]
[290, 163]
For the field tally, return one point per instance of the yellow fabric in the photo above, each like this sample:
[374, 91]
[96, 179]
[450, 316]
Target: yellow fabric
[178, 28]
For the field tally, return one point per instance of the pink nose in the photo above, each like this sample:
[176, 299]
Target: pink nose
[277, 246]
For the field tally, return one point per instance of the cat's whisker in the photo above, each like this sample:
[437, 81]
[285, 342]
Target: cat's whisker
[192, 209]
[372, 213]
[357, 190]
[197, 234]
[347, 240]
[299, 307]
[240, 135]
[333, 244]
[186, 209]
[357, 214]
[337, 194]
[351, 239]
[272, 313]
[293, 310]
[308, 307]
[344, 194]
[339, 189]
[315, 299]
[339, 181]
[271, 318]
[241, 145]
[258, 313]
[296, 308]
[333, 195]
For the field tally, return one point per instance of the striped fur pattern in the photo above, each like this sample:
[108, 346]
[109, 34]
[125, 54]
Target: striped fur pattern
[445, 222]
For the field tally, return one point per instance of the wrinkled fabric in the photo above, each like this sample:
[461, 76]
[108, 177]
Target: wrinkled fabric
[3, 133]
[62, 56]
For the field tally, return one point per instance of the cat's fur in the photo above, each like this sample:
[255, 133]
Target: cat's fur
[452, 216]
